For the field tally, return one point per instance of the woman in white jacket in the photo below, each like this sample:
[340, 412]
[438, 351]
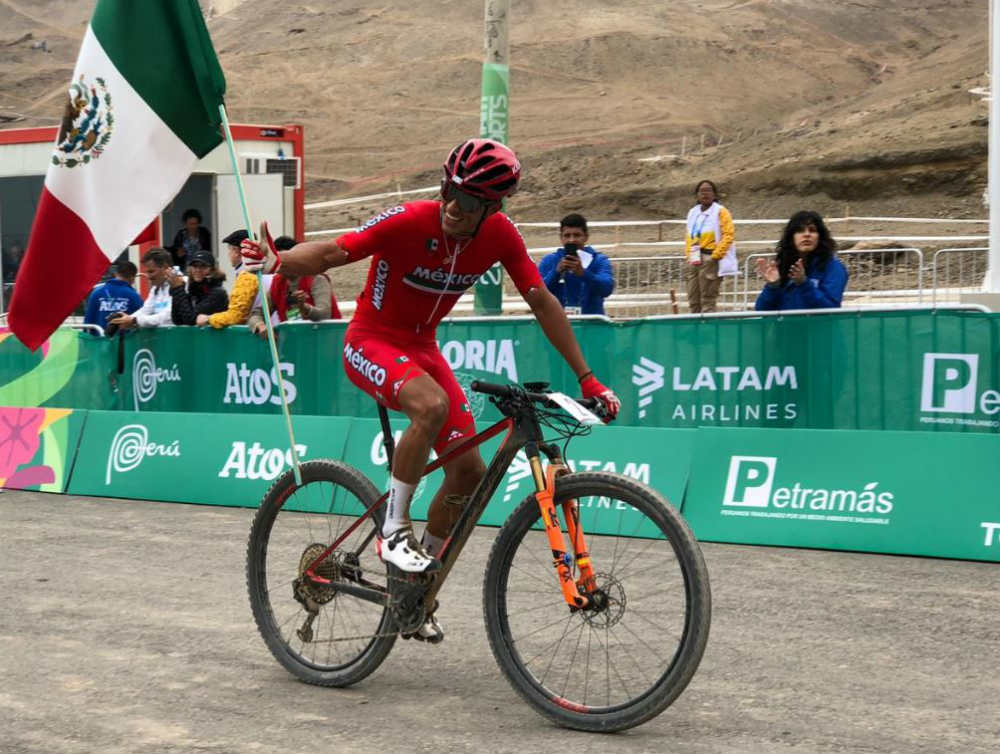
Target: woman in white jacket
[709, 248]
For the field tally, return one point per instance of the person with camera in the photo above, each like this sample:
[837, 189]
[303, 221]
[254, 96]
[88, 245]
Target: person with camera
[155, 311]
[203, 293]
[115, 296]
[709, 248]
[291, 298]
[578, 275]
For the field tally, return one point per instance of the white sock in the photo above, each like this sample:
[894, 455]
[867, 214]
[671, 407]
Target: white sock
[397, 507]
[432, 544]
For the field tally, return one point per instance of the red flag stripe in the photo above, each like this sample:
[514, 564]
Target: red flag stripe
[59, 269]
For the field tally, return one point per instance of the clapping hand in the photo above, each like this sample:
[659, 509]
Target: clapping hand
[768, 269]
[798, 272]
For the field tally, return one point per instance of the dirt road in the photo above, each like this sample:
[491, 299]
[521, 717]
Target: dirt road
[125, 627]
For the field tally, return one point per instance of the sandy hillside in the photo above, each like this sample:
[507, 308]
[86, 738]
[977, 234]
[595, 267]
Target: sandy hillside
[861, 106]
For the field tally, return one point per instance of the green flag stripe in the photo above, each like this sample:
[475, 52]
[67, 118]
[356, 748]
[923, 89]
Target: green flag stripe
[163, 48]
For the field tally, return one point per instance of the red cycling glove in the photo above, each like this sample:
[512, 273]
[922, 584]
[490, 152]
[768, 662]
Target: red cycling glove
[260, 257]
[593, 389]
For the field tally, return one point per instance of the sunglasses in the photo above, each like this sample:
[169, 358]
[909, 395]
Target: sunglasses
[466, 202]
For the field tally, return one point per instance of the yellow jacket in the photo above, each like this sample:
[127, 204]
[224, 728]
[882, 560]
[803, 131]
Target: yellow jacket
[707, 239]
[240, 302]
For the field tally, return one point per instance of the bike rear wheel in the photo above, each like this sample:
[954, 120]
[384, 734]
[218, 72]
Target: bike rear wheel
[347, 637]
[613, 668]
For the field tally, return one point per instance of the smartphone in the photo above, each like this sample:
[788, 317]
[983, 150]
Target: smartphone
[570, 249]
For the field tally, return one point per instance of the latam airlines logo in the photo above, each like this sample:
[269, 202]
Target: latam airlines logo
[647, 375]
[724, 387]
[752, 489]
[950, 386]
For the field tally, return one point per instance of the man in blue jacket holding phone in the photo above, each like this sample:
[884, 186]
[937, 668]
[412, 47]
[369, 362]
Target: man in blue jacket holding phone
[577, 274]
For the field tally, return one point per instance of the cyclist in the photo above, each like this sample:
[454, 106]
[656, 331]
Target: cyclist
[425, 255]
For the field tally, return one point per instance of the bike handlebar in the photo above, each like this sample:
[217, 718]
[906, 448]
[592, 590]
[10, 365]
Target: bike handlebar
[508, 391]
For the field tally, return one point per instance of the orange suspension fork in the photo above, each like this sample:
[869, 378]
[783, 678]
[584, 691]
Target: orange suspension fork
[561, 559]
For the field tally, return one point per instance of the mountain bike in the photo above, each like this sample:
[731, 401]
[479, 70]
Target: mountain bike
[596, 597]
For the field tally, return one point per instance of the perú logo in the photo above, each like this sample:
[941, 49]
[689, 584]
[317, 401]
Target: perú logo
[146, 375]
[131, 445]
[751, 484]
[949, 385]
[246, 386]
[258, 462]
[647, 375]
[494, 356]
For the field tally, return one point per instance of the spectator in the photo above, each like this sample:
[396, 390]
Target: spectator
[12, 256]
[577, 274]
[203, 294]
[191, 238]
[293, 298]
[114, 296]
[709, 248]
[156, 309]
[245, 289]
[805, 273]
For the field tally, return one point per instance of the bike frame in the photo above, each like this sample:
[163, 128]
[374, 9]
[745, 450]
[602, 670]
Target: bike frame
[523, 431]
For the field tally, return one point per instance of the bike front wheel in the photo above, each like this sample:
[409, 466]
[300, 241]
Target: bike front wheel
[320, 633]
[618, 666]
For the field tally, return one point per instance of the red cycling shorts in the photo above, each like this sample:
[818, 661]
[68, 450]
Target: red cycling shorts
[380, 365]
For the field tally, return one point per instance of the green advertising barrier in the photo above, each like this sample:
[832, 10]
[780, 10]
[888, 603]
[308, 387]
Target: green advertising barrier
[905, 493]
[37, 447]
[71, 368]
[920, 370]
[195, 458]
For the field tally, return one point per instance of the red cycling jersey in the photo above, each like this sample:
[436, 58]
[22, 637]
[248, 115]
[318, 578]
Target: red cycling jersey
[417, 273]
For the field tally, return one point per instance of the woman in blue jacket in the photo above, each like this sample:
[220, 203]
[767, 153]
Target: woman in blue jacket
[805, 273]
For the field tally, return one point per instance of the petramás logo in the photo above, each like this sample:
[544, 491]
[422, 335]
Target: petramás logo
[494, 356]
[950, 386]
[146, 376]
[753, 489]
[245, 386]
[131, 446]
[258, 462]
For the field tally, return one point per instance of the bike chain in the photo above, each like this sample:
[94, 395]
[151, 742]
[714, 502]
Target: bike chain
[312, 610]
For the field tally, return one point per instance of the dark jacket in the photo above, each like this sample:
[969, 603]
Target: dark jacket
[176, 249]
[587, 291]
[108, 298]
[822, 289]
[206, 297]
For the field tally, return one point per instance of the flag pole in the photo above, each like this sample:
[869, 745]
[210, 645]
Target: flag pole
[263, 297]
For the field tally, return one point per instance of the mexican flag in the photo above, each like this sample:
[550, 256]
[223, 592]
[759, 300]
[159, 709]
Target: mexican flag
[143, 107]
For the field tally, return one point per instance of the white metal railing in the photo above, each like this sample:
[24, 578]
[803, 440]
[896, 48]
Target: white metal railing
[965, 266]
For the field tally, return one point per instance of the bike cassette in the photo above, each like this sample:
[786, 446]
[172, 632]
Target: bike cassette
[330, 569]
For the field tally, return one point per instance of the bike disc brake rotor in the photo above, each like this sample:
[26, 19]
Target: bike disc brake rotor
[610, 600]
[329, 569]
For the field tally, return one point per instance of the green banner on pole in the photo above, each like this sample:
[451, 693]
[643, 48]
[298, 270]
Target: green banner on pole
[494, 118]
[909, 493]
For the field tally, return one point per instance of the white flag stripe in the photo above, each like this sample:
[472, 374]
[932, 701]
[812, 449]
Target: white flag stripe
[141, 169]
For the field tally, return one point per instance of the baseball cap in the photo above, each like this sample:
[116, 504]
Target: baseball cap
[236, 237]
[203, 257]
